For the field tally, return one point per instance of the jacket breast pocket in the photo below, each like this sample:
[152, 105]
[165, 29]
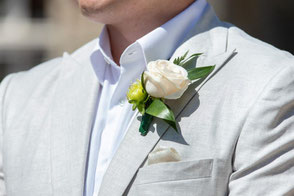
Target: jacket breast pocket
[174, 178]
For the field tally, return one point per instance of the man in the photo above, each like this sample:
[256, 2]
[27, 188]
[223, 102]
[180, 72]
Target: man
[67, 129]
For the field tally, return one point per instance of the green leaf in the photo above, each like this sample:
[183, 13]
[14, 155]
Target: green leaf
[143, 81]
[198, 73]
[178, 60]
[134, 107]
[141, 108]
[184, 63]
[158, 109]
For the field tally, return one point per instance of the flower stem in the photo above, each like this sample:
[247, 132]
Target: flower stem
[145, 124]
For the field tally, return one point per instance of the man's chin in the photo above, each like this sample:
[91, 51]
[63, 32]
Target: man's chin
[93, 11]
[90, 7]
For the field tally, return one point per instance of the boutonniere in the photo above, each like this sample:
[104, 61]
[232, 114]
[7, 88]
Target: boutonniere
[163, 80]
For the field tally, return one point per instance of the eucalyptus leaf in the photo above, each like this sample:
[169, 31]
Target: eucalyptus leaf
[158, 109]
[201, 72]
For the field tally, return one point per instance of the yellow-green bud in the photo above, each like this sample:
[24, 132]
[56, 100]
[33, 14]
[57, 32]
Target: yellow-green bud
[136, 93]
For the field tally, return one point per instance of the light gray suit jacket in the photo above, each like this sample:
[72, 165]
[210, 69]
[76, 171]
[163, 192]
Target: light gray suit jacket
[237, 126]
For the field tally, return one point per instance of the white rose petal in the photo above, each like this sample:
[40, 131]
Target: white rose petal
[163, 79]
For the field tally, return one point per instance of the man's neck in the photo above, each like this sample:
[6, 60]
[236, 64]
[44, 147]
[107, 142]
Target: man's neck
[124, 34]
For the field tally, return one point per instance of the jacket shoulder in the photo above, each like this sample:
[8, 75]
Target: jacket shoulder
[44, 73]
[256, 68]
[255, 50]
[39, 82]
[258, 60]
[49, 68]
[25, 82]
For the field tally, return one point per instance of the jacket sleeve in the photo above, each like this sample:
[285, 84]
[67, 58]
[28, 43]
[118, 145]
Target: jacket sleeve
[263, 162]
[3, 90]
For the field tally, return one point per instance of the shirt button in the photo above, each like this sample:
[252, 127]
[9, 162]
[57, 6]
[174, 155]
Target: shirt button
[122, 102]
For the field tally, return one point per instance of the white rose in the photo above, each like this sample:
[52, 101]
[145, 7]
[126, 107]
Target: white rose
[163, 79]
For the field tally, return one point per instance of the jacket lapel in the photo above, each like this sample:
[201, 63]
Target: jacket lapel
[219, 61]
[71, 118]
[134, 148]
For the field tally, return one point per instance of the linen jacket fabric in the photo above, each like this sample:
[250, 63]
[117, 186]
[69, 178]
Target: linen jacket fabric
[236, 127]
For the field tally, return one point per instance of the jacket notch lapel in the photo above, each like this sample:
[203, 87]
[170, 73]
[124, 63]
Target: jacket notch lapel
[219, 61]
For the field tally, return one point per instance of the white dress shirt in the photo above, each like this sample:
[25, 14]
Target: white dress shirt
[114, 114]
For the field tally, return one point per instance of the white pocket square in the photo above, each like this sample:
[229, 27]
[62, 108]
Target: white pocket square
[163, 154]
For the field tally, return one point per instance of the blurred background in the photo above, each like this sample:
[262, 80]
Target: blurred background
[33, 31]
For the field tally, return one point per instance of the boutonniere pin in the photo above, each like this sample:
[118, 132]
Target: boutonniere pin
[163, 80]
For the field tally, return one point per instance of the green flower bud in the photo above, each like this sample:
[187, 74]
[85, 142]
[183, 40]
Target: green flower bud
[136, 92]
[137, 96]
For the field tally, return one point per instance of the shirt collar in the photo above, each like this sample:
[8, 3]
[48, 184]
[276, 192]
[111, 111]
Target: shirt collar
[104, 46]
[163, 41]
[158, 44]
